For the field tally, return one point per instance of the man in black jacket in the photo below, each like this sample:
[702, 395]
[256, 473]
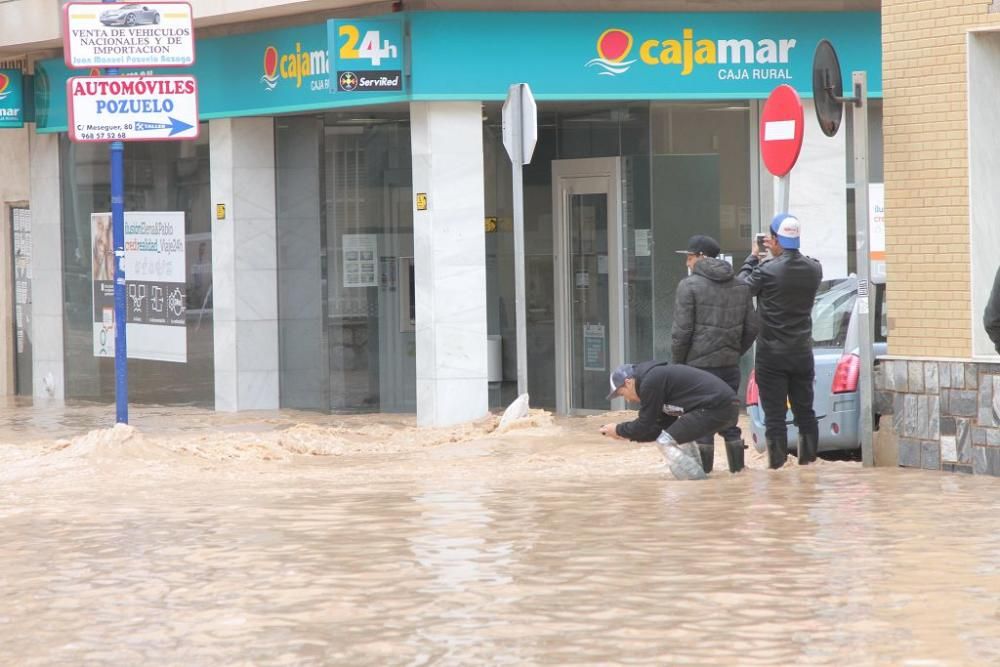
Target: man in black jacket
[991, 315]
[677, 405]
[785, 287]
[714, 325]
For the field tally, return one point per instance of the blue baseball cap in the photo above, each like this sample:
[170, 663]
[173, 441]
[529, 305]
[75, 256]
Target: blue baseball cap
[618, 377]
[788, 230]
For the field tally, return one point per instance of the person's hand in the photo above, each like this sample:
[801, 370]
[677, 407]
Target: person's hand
[608, 430]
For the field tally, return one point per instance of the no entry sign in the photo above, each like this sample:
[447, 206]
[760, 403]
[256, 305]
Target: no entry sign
[781, 127]
[132, 108]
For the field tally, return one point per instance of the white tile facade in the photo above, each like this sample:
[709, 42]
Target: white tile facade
[818, 196]
[449, 262]
[244, 265]
[48, 372]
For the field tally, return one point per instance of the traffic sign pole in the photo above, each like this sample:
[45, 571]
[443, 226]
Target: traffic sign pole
[784, 192]
[118, 235]
[520, 132]
[862, 224]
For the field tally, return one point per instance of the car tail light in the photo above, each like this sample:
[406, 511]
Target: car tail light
[752, 395]
[845, 378]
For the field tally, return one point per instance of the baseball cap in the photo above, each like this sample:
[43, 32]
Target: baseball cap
[699, 244]
[618, 377]
[787, 228]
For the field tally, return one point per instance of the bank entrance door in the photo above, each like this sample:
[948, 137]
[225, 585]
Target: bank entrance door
[589, 319]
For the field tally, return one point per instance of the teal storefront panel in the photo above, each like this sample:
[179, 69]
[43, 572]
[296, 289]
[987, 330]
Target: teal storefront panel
[367, 55]
[272, 72]
[11, 98]
[564, 56]
[588, 56]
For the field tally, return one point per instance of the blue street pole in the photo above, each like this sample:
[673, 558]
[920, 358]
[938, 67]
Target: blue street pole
[118, 227]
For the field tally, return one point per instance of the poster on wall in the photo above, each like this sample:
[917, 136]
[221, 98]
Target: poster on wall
[360, 252]
[594, 353]
[155, 285]
[876, 230]
[21, 219]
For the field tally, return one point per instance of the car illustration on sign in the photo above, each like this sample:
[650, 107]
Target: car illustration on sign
[130, 15]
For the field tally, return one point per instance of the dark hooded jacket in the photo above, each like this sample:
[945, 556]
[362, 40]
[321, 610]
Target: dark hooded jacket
[991, 315]
[660, 384]
[714, 318]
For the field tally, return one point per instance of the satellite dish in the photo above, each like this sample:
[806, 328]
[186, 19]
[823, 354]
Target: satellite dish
[828, 88]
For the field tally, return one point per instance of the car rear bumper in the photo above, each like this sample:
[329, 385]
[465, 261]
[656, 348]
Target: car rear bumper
[838, 429]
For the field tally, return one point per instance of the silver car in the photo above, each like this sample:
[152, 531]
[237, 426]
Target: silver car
[835, 349]
[130, 15]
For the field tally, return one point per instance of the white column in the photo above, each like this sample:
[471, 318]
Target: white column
[449, 262]
[48, 372]
[244, 264]
[819, 195]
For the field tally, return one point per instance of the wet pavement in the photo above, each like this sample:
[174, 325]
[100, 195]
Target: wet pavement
[290, 538]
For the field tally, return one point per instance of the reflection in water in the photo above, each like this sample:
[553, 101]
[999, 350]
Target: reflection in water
[288, 538]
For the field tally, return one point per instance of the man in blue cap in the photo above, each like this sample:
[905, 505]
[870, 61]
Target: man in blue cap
[785, 287]
[677, 405]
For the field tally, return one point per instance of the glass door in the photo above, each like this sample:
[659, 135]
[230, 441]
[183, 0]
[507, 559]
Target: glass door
[588, 282]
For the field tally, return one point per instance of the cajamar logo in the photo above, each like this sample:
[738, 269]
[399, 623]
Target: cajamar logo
[4, 85]
[297, 66]
[734, 58]
[270, 78]
[613, 46]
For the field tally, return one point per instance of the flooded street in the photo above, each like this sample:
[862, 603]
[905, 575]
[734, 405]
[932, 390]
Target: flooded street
[298, 539]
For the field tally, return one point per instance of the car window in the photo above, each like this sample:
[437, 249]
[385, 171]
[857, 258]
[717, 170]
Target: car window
[831, 313]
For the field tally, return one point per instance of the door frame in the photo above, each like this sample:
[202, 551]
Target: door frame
[583, 173]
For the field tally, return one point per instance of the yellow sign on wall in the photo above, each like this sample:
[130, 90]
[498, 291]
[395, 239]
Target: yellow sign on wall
[421, 201]
[220, 211]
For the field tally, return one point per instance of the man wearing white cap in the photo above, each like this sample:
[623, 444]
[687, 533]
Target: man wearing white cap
[785, 287]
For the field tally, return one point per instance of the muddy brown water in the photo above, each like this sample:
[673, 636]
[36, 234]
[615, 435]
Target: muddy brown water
[287, 538]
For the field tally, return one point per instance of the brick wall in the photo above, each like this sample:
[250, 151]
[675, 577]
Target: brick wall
[926, 172]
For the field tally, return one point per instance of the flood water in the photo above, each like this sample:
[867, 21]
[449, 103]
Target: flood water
[297, 539]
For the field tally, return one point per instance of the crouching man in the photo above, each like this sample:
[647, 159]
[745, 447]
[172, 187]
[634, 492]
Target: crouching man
[677, 405]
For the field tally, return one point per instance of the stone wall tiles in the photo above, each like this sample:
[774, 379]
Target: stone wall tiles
[909, 453]
[915, 377]
[930, 456]
[931, 377]
[971, 375]
[944, 375]
[963, 440]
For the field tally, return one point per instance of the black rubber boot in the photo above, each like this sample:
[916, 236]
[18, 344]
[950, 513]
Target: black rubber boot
[734, 455]
[777, 451]
[808, 444]
[707, 451]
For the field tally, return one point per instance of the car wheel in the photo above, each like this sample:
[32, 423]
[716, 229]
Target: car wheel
[130, 20]
[156, 19]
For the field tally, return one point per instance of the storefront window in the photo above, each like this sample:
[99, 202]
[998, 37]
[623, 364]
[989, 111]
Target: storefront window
[565, 132]
[700, 185]
[345, 262]
[159, 176]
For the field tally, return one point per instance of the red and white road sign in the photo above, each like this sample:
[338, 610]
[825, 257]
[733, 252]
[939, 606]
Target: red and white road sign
[781, 127]
[132, 108]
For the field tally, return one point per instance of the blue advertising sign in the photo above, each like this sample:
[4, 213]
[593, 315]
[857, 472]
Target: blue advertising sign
[11, 98]
[463, 56]
[367, 55]
[661, 55]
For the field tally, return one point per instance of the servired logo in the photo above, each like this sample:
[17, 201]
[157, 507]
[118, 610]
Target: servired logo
[4, 85]
[298, 66]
